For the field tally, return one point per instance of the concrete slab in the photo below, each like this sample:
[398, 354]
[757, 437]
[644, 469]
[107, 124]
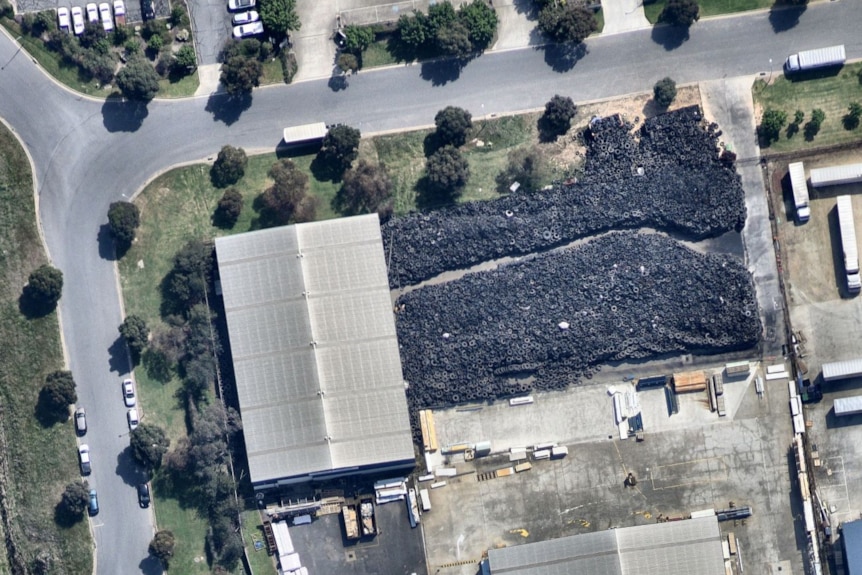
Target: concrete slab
[623, 16]
[208, 75]
[517, 25]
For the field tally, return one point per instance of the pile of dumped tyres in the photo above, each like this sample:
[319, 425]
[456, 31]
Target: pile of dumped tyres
[666, 176]
[555, 317]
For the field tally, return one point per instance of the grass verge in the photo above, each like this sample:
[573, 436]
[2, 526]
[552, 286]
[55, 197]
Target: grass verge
[709, 7]
[185, 86]
[30, 350]
[831, 93]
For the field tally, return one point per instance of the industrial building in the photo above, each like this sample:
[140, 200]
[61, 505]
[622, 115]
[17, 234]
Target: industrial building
[851, 534]
[315, 354]
[674, 548]
[836, 175]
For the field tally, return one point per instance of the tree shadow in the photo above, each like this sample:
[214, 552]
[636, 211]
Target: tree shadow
[118, 360]
[431, 144]
[338, 82]
[129, 470]
[784, 18]
[792, 130]
[228, 108]
[562, 58]
[810, 130]
[441, 72]
[33, 307]
[151, 565]
[325, 170]
[121, 115]
[46, 414]
[65, 518]
[427, 198]
[108, 249]
[670, 37]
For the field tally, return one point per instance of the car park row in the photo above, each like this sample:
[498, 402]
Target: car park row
[100, 13]
[246, 21]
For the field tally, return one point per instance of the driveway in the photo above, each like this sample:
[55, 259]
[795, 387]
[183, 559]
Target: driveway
[211, 28]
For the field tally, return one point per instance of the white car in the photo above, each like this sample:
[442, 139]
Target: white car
[251, 29]
[120, 12]
[63, 18]
[234, 5]
[92, 12]
[84, 457]
[105, 13]
[246, 17]
[132, 416]
[129, 393]
[77, 20]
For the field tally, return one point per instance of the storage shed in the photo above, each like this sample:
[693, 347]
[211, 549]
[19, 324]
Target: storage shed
[836, 175]
[848, 405]
[836, 370]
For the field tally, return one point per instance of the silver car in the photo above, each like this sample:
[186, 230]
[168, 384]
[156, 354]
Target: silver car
[80, 421]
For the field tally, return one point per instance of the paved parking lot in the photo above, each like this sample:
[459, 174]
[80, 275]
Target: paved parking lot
[689, 461]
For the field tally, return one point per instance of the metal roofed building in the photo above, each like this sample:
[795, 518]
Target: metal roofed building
[315, 353]
[673, 548]
[851, 534]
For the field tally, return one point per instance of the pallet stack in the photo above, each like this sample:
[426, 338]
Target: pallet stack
[688, 381]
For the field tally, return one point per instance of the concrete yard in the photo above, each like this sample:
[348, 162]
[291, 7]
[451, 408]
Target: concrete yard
[690, 461]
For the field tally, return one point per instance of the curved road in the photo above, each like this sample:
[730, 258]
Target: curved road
[88, 154]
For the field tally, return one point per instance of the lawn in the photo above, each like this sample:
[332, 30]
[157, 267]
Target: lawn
[185, 86]
[36, 462]
[831, 93]
[709, 7]
[273, 72]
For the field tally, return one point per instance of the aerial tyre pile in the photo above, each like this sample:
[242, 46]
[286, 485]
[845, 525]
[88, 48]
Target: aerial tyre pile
[665, 176]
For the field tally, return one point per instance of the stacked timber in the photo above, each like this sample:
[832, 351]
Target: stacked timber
[687, 381]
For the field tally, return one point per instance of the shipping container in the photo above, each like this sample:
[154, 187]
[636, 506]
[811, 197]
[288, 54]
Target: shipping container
[654, 381]
[505, 472]
[718, 381]
[482, 448]
[836, 370]
[542, 454]
[720, 406]
[737, 368]
[836, 175]
[731, 542]
[518, 456]
[438, 485]
[777, 368]
[429, 477]
[541, 446]
[521, 467]
[800, 191]
[425, 498]
[848, 405]
[687, 381]
[526, 400]
[445, 472]
[848, 242]
[559, 452]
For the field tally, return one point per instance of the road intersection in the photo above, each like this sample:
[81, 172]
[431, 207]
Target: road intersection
[88, 153]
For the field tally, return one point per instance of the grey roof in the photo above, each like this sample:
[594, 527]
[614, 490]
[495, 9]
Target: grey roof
[836, 175]
[312, 335]
[678, 547]
[842, 369]
[851, 533]
[848, 405]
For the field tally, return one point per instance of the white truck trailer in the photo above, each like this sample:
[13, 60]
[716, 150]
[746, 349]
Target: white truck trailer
[836, 175]
[848, 243]
[813, 59]
[848, 405]
[800, 191]
[845, 369]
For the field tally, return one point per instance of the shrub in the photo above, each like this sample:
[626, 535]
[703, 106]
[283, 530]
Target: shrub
[44, 287]
[136, 333]
[75, 498]
[138, 80]
[358, 38]
[447, 172]
[452, 123]
[124, 219]
[567, 22]
[229, 167]
[229, 208]
[557, 118]
[288, 66]
[664, 92]
[184, 61]
[682, 13]
[366, 188]
[771, 124]
[527, 167]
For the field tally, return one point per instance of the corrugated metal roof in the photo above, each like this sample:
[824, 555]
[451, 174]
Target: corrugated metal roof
[851, 534]
[847, 405]
[674, 548]
[314, 348]
[835, 175]
[304, 133]
[842, 369]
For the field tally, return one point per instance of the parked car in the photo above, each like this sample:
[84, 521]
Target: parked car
[63, 18]
[236, 5]
[80, 421]
[78, 20]
[93, 508]
[245, 30]
[92, 12]
[246, 17]
[143, 495]
[84, 456]
[132, 416]
[105, 14]
[129, 392]
[120, 12]
[147, 9]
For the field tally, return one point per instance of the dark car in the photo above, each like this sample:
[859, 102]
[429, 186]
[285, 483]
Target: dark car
[147, 9]
[143, 495]
[93, 507]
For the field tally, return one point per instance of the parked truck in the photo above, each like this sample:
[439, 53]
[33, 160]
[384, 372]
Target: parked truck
[813, 59]
[366, 516]
[848, 243]
[800, 191]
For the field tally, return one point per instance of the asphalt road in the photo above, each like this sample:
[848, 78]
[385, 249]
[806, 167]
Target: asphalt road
[89, 153]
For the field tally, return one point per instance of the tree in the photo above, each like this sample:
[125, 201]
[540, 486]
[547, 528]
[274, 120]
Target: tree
[851, 119]
[44, 287]
[240, 74]
[162, 546]
[340, 147]
[229, 167]
[185, 60]
[186, 283]
[58, 394]
[279, 16]
[452, 126]
[281, 201]
[567, 22]
[664, 92]
[413, 29]
[124, 218]
[347, 63]
[229, 208]
[138, 80]
[447, 172]
[454, 40]
[136, 333]
[681, 13]
[557, 118]
[149, 443]
[440, 15]
[527, 167]
[366, 188]
[771, 124]
[481, 21]
[358, 38]
[727, 158]
[75, 498]
[812, 127]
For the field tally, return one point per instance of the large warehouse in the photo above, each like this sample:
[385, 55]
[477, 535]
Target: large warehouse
[685, 547]
[315, 354]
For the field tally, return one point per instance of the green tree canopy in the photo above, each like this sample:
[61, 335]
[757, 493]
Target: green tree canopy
[138, 80]
[664, 92]
[75, 498]
[454, 40]
[45, 286]
[187, 281]
[279, 16]
[240, 74]
[149, 443]
[229, 208]
[136, 333]
[481, 22]
[567, 22]
[287, 200]
[771, 124]
[162, 546]
[124, 219]
[58, 394]
[447, 172]
[365, 189]
[557, 118]
[682, 13]
[185, 60]
[358, 38]
[229, 166]
[452, 124]
[340, 147]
